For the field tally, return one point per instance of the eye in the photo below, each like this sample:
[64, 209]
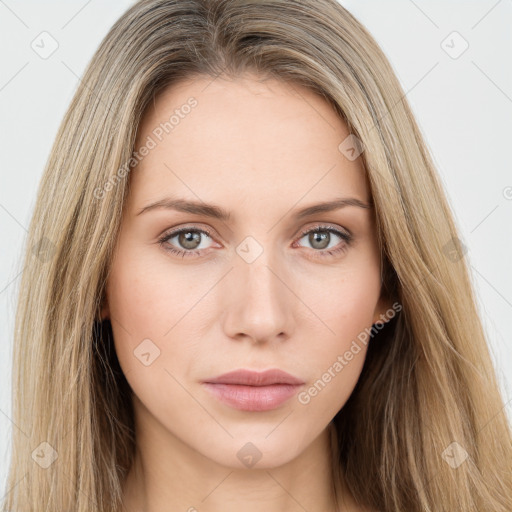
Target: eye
[190, 239]
[321, 240]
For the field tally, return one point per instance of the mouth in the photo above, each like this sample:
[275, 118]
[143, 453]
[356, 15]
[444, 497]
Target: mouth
[249, 390]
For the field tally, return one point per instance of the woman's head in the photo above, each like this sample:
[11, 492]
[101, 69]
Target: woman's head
[250, 291]
[262, 108]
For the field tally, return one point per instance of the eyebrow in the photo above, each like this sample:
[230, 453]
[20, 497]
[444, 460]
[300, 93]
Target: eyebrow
[217, 212]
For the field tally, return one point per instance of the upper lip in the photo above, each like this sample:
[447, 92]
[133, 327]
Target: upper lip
[255, 378]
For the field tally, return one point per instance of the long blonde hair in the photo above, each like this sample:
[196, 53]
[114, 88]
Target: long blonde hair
[428, 394]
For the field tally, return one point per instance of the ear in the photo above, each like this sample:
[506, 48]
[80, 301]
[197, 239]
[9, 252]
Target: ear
[383, 305]
[105, 310]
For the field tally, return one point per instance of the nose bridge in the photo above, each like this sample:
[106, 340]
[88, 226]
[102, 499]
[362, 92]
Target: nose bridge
[259, 304]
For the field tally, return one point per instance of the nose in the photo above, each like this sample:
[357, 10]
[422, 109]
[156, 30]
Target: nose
[259, 302]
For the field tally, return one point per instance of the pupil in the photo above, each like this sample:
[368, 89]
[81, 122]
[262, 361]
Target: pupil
[188, 239]
[321, 238]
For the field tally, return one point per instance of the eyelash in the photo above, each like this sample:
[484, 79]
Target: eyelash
[346, 237]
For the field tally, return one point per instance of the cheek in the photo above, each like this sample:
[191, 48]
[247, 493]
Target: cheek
[346, 306]
[147, 294]
[148, 309]
[350, 306]
[346, 300]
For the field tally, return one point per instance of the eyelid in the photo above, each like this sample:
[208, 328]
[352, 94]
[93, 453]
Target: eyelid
[341, 232]
[171, 232]
[326, 226]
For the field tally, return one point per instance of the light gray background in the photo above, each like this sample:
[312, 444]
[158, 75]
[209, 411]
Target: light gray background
[463, 106]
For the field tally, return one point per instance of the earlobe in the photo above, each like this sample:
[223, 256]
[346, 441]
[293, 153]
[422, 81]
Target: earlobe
[105, 310]
[380, 315]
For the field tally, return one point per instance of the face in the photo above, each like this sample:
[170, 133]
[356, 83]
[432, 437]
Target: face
[216, 269]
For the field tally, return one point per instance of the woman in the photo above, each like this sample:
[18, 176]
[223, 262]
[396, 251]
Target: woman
[248, 288]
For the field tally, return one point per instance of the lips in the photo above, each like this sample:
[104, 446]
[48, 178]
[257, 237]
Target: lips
[253, 378]
[249, 390]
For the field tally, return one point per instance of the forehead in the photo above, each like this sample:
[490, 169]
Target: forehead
[260, 141]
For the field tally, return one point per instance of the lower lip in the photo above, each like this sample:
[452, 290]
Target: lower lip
[252, 398]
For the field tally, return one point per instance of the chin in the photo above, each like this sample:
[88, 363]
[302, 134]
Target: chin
[262, 450]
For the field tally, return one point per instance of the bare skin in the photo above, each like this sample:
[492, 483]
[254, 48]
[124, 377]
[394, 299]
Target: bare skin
[261, 151]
